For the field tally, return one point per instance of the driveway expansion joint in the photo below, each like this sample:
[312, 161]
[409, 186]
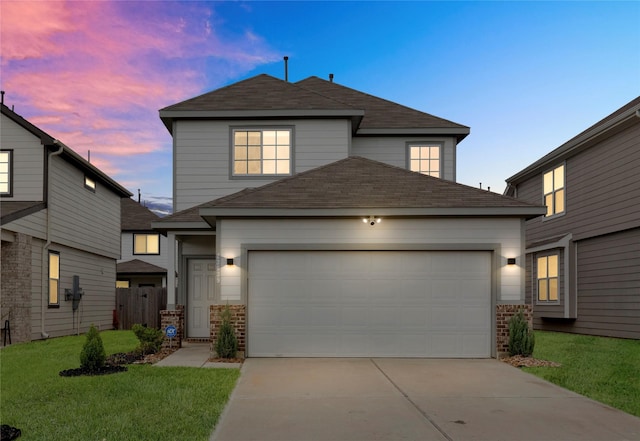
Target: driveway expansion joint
[406, 396]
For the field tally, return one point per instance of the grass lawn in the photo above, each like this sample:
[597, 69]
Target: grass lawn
[604, 369]
[144, 403]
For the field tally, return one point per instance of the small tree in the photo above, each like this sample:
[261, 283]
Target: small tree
[150, 339]
[521, 338]
[93, 355]
[226, 343]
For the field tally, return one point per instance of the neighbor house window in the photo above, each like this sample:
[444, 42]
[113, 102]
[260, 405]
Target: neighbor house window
[146, 244]
[6, 172]
[425, 158]
[547, 270]
[122, 284]
[261, 152]
[89, 183]
[553, 185]
[54, 279]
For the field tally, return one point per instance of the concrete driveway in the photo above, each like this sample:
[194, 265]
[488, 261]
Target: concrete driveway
[410, 399]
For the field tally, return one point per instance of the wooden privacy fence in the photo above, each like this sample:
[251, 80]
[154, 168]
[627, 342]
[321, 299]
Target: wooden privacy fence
[139, 305]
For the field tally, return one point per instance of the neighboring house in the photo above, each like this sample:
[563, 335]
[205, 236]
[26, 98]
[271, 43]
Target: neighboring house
[583, 255]
[143, 260]
[331, 223]
[60, 218]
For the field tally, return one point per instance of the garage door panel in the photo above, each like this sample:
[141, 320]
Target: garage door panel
[369, 303]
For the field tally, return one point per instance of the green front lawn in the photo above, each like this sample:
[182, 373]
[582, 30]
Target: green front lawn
[144, 403]
[604, 369]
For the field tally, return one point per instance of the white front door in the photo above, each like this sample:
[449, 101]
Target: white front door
[201, 286]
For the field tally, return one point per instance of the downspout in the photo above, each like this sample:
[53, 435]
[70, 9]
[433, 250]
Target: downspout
[47, 243]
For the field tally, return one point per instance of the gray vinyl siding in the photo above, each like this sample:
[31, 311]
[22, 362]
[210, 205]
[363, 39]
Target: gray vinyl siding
[202, 155]
[80, 218]
[608, 288]
[393, 151]
[28, 161]
[34, 225]
[97, 280]
[155, 259]
[602, 191]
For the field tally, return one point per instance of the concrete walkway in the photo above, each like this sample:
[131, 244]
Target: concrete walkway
[410, 399]
[194, 355]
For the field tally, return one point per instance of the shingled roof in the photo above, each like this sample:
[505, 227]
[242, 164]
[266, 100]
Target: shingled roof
[266, 96]
[137, 266]
[135, 217]
[357, 182]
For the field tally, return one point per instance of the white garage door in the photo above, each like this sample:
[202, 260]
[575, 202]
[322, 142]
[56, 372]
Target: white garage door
[369, 304]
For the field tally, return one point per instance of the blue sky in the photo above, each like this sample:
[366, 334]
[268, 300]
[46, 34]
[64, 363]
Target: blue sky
[525, 76]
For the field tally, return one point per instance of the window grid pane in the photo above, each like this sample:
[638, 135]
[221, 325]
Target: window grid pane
[425, 159]
[548, 281]
[5, 160]
[553, 188]
[54, 278]
[266, 152]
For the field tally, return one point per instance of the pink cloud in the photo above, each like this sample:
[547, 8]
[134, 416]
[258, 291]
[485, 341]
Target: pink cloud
[94, 74]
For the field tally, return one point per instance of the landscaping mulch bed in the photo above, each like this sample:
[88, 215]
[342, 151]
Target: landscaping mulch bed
[520, 361]
[227, 360]
[115, 363]
[8, 433]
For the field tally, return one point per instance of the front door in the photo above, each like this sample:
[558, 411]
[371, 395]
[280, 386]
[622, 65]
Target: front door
[200, 289]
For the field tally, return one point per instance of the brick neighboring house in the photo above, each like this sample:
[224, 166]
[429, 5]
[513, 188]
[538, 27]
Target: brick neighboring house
[143, 261]
[60, 218]
[330, 221]
[583, 255]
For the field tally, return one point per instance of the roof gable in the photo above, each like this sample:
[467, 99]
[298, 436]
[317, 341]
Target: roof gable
[357, 182]
[379, 113]
[135, 217]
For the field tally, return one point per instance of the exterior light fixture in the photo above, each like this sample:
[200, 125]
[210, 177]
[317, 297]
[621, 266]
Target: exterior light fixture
[511, 261]
[371, 220]
[230, 262]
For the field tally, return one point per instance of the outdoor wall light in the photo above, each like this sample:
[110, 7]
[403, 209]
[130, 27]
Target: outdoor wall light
[230, 261]
[511, 261]
[371, 220]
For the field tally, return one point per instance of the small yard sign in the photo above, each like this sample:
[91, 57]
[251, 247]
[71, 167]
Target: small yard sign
[170, 331]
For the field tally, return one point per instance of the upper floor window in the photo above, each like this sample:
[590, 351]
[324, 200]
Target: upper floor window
[553, 188]
[89, 183]
[54, 278]
[146, 244]
[425, 158]
[260, 152]
[547, 270]
[6, 169]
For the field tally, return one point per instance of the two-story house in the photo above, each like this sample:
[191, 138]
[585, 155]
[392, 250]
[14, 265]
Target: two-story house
[143, 260]
[331, 223]
[583, 255]
[60, 225]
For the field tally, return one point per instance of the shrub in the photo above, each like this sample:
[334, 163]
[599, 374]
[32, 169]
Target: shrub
[521, 338]
[150, 339]
[93, 355]
[227, 343]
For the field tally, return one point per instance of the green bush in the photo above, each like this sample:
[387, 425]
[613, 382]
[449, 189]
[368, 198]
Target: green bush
[227, 343]
[521, 338]
[93, 355]
[150, 339]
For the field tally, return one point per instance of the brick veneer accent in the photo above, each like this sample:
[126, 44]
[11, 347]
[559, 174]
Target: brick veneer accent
[175, 318]
[16, 284]
[238, 321]
[503, 315]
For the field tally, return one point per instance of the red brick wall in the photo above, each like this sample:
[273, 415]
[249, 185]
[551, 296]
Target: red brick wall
[503, 315]
[175, 318]
[238, 321]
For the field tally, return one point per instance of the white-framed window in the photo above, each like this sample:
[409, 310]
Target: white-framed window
[146, 244]
[261, 152]
[547, 278]
[553, 183]
[6, 172]
[89, 184]
[54, 279]
[425, 158]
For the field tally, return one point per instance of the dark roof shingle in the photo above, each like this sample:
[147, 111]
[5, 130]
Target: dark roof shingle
[135, 217]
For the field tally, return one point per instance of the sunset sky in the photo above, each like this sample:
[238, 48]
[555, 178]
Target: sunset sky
[525, 76]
